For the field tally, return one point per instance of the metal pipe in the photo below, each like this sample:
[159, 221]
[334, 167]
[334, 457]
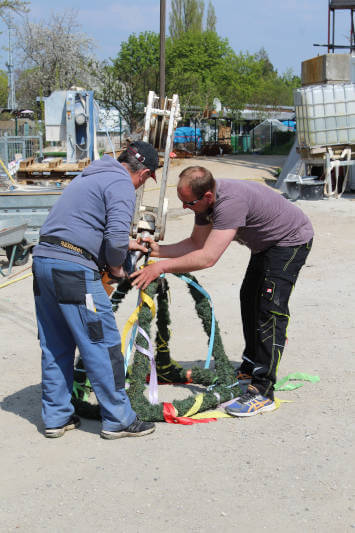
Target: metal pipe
[328, 25]
[333, 38]
[162, 52]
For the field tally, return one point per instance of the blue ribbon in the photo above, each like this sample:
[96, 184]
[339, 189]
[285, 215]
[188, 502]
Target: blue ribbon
[213, 324]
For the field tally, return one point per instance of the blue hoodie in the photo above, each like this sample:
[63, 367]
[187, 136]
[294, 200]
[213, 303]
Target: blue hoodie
[94, 212]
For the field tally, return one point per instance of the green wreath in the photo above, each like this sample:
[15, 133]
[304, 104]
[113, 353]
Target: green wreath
[220, 382]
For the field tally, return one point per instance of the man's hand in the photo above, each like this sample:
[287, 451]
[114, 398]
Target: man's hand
[146, 275]
[154, 246]
[136, 245]
[118, 272]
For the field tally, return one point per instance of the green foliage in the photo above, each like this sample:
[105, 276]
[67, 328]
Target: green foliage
[3, 89]
[221, 380]
[200, 66]
[126, 80]
[193, 64]
[186, 16]
[211, 18]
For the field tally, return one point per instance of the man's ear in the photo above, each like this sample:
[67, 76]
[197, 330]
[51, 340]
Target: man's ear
[209, 195]
[145, 172]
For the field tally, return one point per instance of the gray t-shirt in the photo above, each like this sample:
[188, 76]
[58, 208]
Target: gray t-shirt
[262, 216]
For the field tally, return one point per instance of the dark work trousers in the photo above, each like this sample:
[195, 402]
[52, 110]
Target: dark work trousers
[264, 295]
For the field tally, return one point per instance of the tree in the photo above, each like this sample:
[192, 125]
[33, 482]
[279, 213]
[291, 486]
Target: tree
[3, 89]
[211, 18]
[186, 16]
[55, 55]
[126, 80]
[267, 66]
[12, 6]
[193, 64]
[237, 80]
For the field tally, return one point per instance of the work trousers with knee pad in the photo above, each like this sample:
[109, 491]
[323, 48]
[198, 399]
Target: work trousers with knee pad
[264, 296]
[73, 310]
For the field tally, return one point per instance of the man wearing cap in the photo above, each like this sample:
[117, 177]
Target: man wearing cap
[88, 229]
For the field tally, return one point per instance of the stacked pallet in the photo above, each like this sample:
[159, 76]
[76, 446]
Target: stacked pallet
[52, 170]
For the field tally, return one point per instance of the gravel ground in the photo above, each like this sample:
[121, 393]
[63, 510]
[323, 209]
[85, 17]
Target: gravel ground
[286, 470]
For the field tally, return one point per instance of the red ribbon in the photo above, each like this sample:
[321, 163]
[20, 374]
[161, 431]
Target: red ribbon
[171, 418]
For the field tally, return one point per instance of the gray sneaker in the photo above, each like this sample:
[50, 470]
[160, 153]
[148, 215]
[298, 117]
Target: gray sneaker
[53, 433]
[138, 428]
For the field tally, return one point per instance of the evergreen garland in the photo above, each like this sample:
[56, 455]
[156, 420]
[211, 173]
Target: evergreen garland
[220, 382]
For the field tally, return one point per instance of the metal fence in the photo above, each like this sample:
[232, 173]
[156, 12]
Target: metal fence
[25, 146]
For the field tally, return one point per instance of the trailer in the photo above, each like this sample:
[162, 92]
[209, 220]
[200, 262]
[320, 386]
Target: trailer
[30, 207]
[10, 238]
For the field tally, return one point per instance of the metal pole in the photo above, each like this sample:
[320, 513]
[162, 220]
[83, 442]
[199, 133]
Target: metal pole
[333, 38]
[328, 27]
[6, 151]
[41, 145]
[120, 131]
[162, 52]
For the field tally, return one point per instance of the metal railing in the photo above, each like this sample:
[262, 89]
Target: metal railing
[26, 146]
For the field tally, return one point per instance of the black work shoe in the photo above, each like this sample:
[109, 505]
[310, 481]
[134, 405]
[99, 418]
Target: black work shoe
[53, 433]
[138, 428]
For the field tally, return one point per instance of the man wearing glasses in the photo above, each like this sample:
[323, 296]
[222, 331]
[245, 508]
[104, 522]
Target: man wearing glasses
[279, 236]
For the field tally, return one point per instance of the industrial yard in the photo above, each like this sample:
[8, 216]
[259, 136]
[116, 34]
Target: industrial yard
[209, 467]
[290, 469]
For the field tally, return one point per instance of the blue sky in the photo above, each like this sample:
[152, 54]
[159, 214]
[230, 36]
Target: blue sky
[286, 29]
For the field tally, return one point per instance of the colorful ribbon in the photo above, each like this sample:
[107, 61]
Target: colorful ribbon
[295, 376]
[153, 382]
[213, 324]
[169, 413]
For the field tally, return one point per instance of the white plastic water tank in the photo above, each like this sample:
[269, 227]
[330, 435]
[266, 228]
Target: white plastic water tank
[325, 114]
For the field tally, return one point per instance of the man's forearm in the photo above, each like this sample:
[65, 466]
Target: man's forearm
[178, 249]
[196, 260]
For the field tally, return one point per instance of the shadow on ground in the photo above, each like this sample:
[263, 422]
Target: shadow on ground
[25, 403]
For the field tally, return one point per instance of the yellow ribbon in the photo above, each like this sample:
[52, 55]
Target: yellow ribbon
[196, 406]
[218, 414]
[145, 299]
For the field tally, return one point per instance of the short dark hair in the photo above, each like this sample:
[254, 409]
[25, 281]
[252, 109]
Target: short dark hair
[199, 179]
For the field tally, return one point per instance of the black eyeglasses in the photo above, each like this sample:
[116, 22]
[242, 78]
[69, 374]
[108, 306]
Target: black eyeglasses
[193, 202]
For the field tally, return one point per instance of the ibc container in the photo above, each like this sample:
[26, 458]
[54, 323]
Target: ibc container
[325, 114]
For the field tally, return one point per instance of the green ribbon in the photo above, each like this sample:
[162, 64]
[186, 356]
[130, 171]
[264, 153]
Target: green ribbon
[84, 388]
[295, 376]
